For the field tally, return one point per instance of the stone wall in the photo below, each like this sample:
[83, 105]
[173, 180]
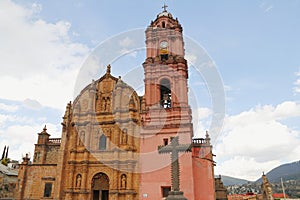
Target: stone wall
[36, 178]
[7, 186]
[52, 154]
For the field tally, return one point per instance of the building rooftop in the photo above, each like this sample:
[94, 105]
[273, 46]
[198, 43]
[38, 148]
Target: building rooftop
[7, 171]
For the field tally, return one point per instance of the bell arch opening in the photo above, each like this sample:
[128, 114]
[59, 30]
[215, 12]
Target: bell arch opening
[165, 93]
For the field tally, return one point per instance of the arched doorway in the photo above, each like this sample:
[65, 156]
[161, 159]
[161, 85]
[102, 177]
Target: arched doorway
[100, 187]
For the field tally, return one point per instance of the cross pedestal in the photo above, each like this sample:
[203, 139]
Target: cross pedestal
[176, 195]
[175, 148]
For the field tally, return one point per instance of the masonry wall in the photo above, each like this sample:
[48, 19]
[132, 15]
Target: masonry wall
[7, 186]
[36, 177]
[203, 170]
[52, 152]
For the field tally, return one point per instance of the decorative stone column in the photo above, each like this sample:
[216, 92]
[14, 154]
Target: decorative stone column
[84, 176]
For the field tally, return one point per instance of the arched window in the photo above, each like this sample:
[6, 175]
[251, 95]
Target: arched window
[165, 93]
[163, 24]
[102, 142]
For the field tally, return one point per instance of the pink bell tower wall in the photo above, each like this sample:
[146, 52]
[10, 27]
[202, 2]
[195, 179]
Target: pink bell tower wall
[166, 113]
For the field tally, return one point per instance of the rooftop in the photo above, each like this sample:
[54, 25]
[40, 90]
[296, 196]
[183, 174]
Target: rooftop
[7, 171]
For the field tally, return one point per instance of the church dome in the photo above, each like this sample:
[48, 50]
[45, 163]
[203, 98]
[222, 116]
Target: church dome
[165, 14]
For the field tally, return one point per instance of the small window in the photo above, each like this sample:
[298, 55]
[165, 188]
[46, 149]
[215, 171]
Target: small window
[166, 141]
[102, 142]
[165, 191]
[48, 190]
[163, 24]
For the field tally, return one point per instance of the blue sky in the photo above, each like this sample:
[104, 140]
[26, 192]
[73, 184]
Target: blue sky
[254, 45]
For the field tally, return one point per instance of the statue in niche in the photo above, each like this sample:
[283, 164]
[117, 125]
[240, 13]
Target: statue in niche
[98, 102]
[81, 138]
[107, 104]
[78, 181]
[124, 136]
[123, 181]
[103, 104]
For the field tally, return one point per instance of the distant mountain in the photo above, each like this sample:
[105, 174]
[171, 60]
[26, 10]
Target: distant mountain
[227, 180]
[290, 171]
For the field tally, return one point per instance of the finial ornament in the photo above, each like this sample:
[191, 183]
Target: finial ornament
[108, 69]
[165, 7]
[45, 129]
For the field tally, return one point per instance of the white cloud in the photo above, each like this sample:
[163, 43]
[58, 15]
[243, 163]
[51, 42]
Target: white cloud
[4, 119]
[243, 167]
[201, 121]
[227, 88]
[297, 83]
[8, 108]
[32, 104]
[128, 52]
[21, 139]
[36, 7]
[191, 58]
[259, 137]
[267, 9]
[13, 118]
[126, 42]
[204, 113]
[39, 61]
[39, 65]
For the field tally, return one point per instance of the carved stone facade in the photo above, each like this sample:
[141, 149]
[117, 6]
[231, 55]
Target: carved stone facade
[110, 135]
[97, 156]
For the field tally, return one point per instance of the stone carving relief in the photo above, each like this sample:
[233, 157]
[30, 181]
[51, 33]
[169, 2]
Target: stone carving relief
[78, 180]
[81, 139]
[124, 136]
[123, 181]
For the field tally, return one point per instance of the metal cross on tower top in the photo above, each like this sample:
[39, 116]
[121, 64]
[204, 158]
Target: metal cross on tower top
[165, 7]
[175, 148]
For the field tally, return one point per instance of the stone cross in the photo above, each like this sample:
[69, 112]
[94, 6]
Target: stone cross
[175, 148]
[165, 7]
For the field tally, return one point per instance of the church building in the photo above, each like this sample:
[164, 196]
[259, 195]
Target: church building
[117, 145]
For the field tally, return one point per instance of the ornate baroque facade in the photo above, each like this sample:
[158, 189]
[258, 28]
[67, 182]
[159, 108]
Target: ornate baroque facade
[110, 135]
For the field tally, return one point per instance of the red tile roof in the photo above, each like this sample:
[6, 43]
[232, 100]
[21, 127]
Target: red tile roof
[280, 195]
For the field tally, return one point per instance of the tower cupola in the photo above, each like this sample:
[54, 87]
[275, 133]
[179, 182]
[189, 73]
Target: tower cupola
[164, 37]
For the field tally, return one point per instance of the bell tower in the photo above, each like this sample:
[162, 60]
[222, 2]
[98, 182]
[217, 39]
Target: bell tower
[165, 110]
[165, 64]
[166, 74]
